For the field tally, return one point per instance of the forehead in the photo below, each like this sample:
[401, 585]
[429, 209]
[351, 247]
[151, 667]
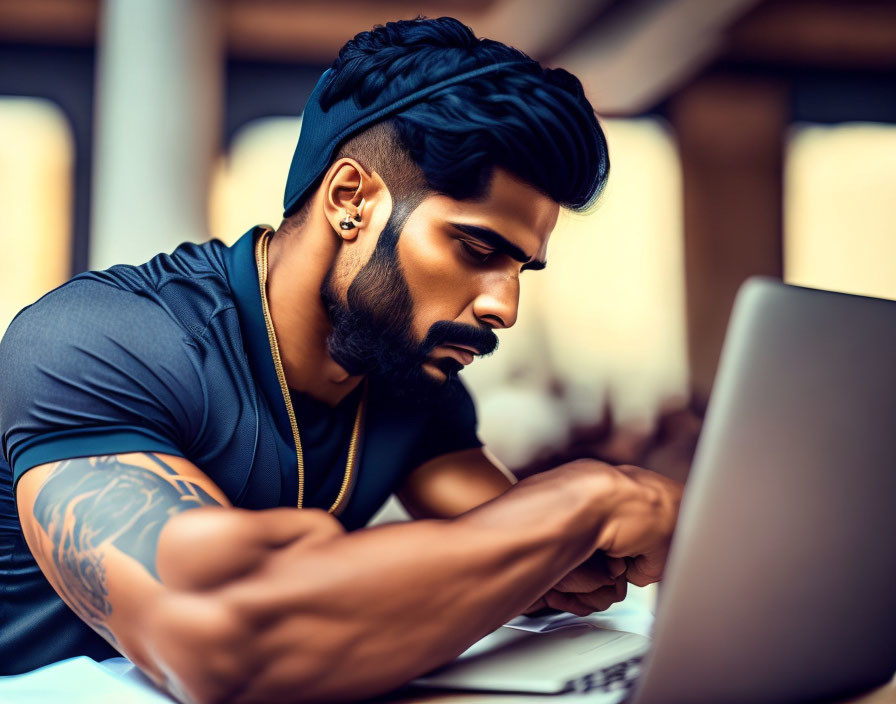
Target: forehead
[511, 207]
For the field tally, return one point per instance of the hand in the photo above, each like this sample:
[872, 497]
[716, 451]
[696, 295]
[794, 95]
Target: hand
[640, 525]
[595, 585]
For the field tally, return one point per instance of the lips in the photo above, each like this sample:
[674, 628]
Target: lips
[462, 353]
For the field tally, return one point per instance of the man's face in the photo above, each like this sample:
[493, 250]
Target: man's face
[429, 298]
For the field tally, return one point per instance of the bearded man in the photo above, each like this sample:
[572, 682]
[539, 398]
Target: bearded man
[196, 444]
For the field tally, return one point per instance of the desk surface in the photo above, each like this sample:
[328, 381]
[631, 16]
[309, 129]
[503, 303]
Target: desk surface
[626, 616]
[881, 695]
[119, 676]
[83, 681]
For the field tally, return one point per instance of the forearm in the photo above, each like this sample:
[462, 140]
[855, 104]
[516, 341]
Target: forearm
[354, 614]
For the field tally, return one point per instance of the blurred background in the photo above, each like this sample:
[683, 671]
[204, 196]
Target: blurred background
[746, 137]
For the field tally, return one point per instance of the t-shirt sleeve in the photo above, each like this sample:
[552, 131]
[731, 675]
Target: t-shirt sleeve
[92, 369]
[451, 426]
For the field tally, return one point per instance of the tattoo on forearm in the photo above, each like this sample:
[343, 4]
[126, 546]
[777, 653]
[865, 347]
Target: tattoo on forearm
[89, 504]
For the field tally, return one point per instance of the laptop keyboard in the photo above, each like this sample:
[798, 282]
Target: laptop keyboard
[616, 678]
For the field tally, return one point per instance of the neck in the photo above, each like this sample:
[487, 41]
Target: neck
[297, 265]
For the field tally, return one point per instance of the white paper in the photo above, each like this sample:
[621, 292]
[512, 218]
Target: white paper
[627, 616]
[82, 680]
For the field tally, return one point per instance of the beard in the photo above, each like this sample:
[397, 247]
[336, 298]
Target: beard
[372, 333]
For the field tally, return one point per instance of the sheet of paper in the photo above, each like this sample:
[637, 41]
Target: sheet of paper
[630, 617]
[82, 681]
[543, 624]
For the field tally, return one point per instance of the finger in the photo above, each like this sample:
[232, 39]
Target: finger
[567, 602]
[605, 597]
[644, 569]
[616, 566]
[595, 572]
[621, 588]
[577, 582]
[602, 564]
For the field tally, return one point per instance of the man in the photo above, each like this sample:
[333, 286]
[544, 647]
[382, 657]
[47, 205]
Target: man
[163, 423]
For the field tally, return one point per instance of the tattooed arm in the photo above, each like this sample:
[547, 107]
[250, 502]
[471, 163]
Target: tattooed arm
[221, 604]
[93, 525]
[96, 509]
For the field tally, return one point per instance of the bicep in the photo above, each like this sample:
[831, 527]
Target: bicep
[454, 483]
[93, 525]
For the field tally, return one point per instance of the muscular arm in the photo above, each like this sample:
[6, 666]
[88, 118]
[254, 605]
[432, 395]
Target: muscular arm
[94, 525]
[452, 484]
[220, 604]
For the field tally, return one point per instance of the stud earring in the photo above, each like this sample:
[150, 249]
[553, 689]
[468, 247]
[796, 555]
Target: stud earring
[346, 223]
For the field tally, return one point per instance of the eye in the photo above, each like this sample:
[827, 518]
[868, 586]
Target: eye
[480, 256]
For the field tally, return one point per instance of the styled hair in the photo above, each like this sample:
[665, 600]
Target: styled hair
[532, 121]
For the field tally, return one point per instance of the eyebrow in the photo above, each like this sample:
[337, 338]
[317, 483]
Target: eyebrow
[500, 244]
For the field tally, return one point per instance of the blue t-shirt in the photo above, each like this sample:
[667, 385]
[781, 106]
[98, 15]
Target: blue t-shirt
[173, 357]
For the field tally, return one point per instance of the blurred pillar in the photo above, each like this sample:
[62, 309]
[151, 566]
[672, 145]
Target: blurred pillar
[731, 141]
[159, 78]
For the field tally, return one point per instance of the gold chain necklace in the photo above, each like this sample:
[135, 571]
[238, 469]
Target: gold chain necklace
[261, 261]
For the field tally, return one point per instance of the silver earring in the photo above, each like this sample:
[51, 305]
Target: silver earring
[346, 223]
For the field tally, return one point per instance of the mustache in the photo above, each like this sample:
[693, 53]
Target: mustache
[483, 338]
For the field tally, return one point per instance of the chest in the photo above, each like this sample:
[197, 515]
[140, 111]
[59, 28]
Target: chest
[247, 448]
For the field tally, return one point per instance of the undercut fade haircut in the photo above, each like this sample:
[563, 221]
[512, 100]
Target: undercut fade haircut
[532, 121]
[379, 150]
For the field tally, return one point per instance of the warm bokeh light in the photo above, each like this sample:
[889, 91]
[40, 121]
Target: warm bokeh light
[839, 208]
[36, 160]
[247, 184]
[622, 322]
[604, 323]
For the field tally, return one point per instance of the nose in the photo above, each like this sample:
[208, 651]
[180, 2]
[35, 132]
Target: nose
[498, 302]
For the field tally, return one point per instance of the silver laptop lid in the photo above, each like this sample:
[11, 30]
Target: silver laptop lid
[781, 586]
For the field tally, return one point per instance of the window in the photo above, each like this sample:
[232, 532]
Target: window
[605, 322]
[247, 186]
[36, 162]
[840, 211]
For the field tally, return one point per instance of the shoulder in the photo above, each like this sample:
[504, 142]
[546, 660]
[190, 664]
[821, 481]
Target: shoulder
[88, 344]
[91, 365]
[164, 301]
[198, 262]
[87, 316]
[190, 284]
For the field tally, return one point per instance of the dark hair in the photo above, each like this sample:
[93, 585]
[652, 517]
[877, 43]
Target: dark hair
[534, 122]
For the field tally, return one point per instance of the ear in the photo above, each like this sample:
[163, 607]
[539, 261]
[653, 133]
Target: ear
[348, 190]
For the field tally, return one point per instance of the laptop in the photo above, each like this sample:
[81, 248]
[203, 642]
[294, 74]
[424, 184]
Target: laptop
[781, 582]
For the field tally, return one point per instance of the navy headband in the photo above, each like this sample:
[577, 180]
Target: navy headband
[323, 130]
